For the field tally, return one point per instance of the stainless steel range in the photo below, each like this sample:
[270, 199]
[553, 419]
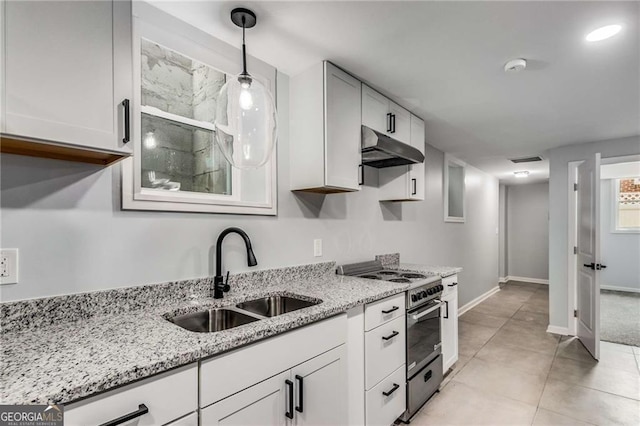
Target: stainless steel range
[423, 353]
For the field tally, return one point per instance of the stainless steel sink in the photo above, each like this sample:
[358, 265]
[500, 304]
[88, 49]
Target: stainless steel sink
[212, 320]
[272, 306]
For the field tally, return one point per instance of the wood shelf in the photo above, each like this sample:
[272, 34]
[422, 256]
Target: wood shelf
[42, 149]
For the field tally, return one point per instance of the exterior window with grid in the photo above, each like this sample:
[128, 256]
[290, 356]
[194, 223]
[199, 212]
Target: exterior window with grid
[627, 204]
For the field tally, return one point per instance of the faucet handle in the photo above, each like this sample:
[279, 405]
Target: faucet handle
[226, 286]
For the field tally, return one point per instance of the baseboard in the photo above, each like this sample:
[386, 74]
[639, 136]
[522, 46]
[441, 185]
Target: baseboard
[564, 331]
[527, 279]
[502, 280]
[475, 302]
[616, 288]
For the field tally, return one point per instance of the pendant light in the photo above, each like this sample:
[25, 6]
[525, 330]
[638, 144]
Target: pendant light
[246, 121]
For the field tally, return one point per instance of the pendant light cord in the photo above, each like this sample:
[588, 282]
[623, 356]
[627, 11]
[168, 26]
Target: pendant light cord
[244, 50]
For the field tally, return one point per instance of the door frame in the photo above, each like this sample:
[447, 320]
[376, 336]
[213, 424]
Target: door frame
[572, 240]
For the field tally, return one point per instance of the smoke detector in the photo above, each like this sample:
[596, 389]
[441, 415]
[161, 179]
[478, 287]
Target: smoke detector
[515, 65]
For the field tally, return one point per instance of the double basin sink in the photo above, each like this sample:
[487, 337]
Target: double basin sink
[219, 319]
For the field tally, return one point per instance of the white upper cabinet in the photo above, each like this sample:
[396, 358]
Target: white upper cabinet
[405, 183]
[325, 130]
[385, 116]
[67, 68]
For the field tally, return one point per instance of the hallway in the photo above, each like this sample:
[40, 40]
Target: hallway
[512, 372]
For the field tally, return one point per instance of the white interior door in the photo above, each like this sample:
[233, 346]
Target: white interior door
[588, 266]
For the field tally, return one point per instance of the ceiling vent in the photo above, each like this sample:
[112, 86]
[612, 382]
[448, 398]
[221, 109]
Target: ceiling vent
[526, 159]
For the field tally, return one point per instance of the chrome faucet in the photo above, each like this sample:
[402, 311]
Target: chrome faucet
[220, 286]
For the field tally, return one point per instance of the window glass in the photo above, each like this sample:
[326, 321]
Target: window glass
[628, 204]
[178, 103]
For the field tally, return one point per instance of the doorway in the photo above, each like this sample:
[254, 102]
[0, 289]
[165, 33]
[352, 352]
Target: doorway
[615, 297]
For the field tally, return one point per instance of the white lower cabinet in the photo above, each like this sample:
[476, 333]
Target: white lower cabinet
[449, 322]
[261, 404]
[312, 393]
[165, 397]
[377, 362]
[190, 420]
[387, 400]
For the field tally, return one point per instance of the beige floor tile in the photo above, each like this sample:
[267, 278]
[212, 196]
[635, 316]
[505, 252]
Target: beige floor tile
[532, 317]
[596, 376]
[549, 418]
[500, 379]
[459, 365]
[512, 296]
[589, 405]
[539, 296]
[523, 335]
[482, 319]
[495, 310]
[616, 347]
[570, 347]
[636, 350]
[459, 404]
[472, 337]
[515, 357]
[540, 307]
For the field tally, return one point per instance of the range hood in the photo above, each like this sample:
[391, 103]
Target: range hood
[379, 150]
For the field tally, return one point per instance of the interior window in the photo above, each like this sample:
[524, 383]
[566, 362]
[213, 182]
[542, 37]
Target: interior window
[627, 204]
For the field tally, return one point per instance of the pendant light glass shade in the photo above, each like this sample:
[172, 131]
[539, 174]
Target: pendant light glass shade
[246, 122]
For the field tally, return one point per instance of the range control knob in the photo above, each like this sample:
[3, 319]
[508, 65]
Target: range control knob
[414, 298]
[425, 293]
[430, 291]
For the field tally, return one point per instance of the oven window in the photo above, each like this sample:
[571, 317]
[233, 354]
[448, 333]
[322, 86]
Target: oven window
[422, 335]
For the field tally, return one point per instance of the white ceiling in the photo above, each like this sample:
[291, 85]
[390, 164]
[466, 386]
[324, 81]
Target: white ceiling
[444, 61]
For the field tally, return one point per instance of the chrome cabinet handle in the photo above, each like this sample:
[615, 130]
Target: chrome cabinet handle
[141, 411]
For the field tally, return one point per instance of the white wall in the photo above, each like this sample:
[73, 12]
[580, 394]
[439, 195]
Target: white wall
[558, 214]
[73, 237]
[528, 231]
[502, 243]
[620, 251]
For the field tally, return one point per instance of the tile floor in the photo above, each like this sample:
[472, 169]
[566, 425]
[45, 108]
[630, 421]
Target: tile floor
[512, 372]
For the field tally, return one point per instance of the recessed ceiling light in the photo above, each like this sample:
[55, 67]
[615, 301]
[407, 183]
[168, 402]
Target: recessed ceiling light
[515, 65]
[604, 32]
[522, 174]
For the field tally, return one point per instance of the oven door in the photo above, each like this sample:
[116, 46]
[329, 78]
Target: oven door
[423, 336]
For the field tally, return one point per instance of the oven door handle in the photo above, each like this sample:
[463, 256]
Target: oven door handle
[416, 317]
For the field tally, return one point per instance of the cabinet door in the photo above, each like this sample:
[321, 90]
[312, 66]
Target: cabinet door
[321, 389]
[190, 420]
[375, 110]
[67, 70]
[416, 171]
[449, 324]
[261, 404]
[401, 129]
[342, 128]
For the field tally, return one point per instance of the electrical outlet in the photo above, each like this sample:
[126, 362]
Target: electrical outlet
[8, 266]
[317, 248]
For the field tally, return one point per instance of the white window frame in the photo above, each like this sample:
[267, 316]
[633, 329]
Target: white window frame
[149, 23]
[615, 191]
[449, 159]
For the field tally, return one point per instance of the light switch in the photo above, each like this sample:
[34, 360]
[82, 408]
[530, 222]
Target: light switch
[317, 247]
[9, 266]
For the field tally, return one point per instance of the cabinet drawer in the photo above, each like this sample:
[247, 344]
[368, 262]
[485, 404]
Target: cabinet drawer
[190, 420]
[384, 310]
[384, 409]
[168, 396]
[450, 284]
[385, 351]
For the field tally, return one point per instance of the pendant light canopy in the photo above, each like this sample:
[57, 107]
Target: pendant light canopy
[246, 121]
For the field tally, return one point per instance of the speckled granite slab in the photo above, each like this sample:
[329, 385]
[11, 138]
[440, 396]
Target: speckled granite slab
[36, 313]
[65, 357]
[392, 261]
[443, 271]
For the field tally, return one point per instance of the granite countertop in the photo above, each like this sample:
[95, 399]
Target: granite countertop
[443, 271]
[63, 361]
